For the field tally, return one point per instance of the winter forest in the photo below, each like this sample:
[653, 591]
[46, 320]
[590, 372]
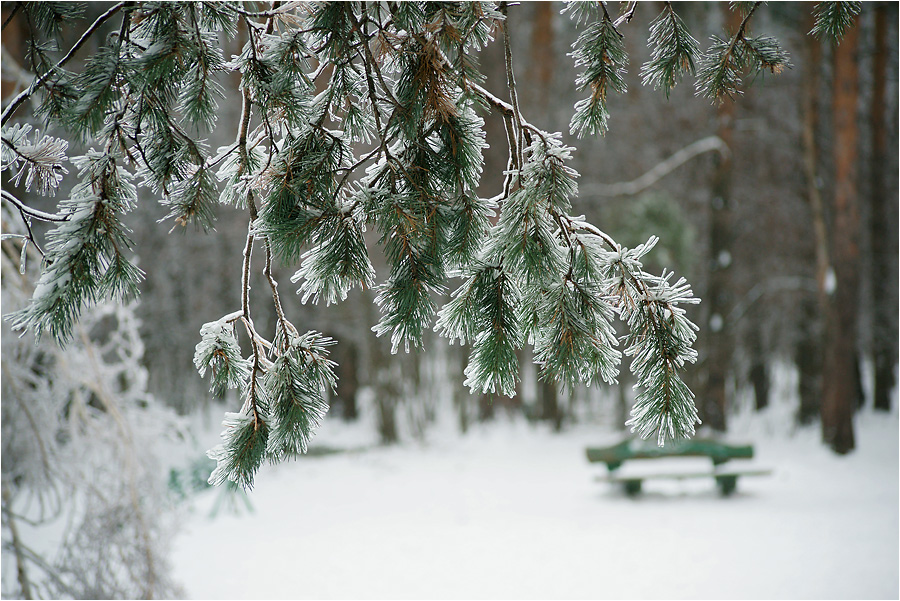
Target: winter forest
[361, 300]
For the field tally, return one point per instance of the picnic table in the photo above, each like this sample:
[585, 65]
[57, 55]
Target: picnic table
[719, 453]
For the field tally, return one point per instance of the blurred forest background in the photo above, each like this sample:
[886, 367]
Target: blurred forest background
[752, 201]
[780, 208]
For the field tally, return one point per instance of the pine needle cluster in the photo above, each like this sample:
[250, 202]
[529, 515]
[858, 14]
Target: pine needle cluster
[832, 19]
[722, 65]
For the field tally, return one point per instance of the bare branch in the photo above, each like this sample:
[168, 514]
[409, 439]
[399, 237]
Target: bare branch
[712, 143]
[30, 212]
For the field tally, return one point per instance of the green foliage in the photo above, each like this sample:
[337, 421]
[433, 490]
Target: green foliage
[832, 19]
[281, 409]
[296, 384]
[660, 342]
[218, 351]
[331, 268]
[85, 256]
[302, 204]
[600, 49]
[674, 53]
[192, 199]
[483, 311]
[49, 18]
[576, 341]
[723, 63]
[97, 93]
[242, 451]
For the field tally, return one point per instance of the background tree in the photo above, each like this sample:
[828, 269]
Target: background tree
[882, 217]
[81, 442]
[842, 282]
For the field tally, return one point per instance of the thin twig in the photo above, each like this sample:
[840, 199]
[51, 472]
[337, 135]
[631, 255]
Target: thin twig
[739, 34]
[503, 107]
[628, 14]
[36, 214]
[12, 14]
[25, 94]
[513, 93]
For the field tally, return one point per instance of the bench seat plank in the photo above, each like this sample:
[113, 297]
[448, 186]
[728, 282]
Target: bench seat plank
[719, 452]
[725, 479]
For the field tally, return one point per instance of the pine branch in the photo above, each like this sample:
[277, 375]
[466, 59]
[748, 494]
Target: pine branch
[23, 96]
[674, 51]
[601, 51]
[627, 14]
[43, 159]
[719, 72]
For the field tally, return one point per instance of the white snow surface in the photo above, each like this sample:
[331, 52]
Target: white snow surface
[513, 511]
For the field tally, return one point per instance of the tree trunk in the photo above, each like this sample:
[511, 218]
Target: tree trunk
[759, 371]
[810, 349]
[462, 398]
[542, 63]
[882, 227]
[809, 358]
[346, 355]
[386, 379]
[486, 411]
[623, 399]
[840, 383]
[719, 295]
[548, 399]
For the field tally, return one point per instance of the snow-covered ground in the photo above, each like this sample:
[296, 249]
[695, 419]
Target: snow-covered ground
[513, 511]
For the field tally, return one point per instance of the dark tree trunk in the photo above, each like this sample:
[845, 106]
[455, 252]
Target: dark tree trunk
[809, 362]
[486, 411]
[419, 410]
[387, 416]
[883, 225]
[386, 379]
[387, 397]
[840, 382]
[346, 355]
[759, 371]
[462, 398]
[810, 347]
[719, 295]
[623, 400]
[548, 400]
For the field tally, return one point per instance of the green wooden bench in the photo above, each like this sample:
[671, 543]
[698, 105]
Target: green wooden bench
[720, 453]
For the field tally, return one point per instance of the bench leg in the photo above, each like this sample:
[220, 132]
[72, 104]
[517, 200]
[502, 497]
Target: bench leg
[632, 487]
[727, 484]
